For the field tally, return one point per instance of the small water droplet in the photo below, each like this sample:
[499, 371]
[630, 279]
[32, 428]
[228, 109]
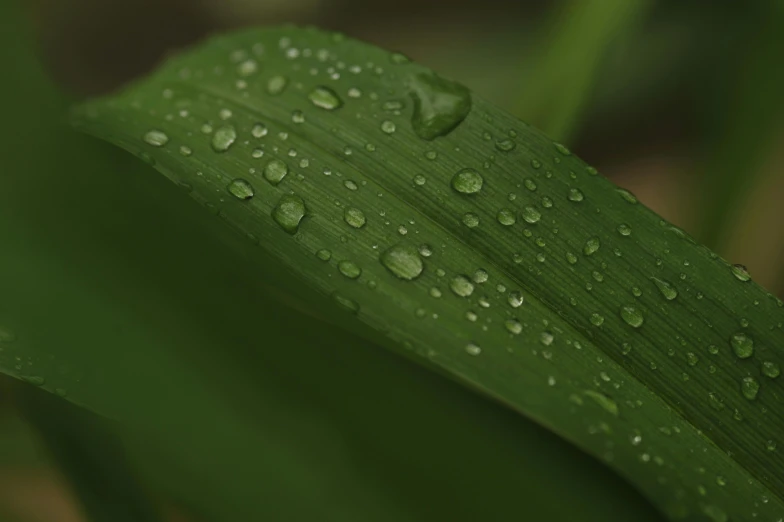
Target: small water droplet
[473, 349]
[546, 338]
[425, 250]
[274, 171]
[632, 316]
[325, 98]
[742, 345]
[562, 149]
[349, 304]
[575, 195]
[224, 138]
[624, 229]
[627, 196]
[241, 189]
[667, 289]
[186, 151]
[420, 180]
[505, 145]
[324, 254]
[471, 220]
[354, 217]
[276, 85]
[288, 213]
[741, 272]
[388, 127]
[461, 286]
[439, 105]
[156, 138]
[602, 400]
[770, 445]
[298, 117]
[467, 181]
[771, 369]
[247, 68]
[749, 387]
[403, 261]
[349, 269]
[259, 130]
[597, 319]
[515, 299]
[506, 217]
[571, 258]
[591, 246]
[530, 184]
[480, 276]
[531, 214]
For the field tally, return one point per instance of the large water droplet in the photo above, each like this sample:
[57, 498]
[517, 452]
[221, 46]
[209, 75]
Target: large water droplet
[632, 316]
[349, 269]
[667, 289]
[741, 273]
[288, 213]
[439, 105]
[591, 246]
[749, 386]
[742, 345]
[241, 189]
[461, 286]
[403, 261]
[275, 171]
[530, 214]
[354, 217]
[224, 138]
[325, 98]
[467, 181]
[156, 138]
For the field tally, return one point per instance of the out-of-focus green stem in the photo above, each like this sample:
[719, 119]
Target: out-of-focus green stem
[748, 116]
[554, 95]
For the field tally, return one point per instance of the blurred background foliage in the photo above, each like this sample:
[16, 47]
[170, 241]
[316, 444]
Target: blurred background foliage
[678, 101]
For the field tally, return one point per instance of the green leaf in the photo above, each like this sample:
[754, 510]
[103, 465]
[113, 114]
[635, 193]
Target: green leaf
[557, 311]
[125, 297]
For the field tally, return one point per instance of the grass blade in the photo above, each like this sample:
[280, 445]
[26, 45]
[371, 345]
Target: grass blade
[631, 341]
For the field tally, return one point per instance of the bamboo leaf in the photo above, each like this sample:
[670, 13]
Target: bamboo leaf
[482, 248]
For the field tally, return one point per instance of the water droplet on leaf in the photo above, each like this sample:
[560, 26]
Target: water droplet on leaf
[288, 213]
[440, 105]
[467, 181]
[403, 261]
[241, 189]
[275, 171]
[156, 138]
[325, 98]
[224, 138]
